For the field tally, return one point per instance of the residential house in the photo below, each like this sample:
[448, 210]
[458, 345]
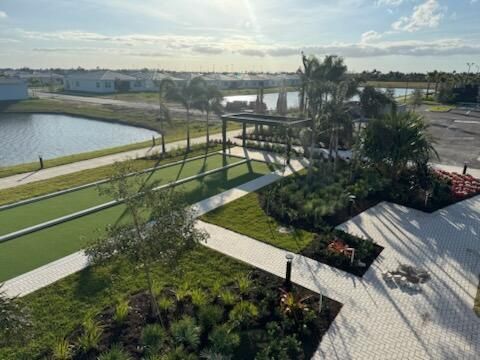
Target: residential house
[13, 89]
[101, 82]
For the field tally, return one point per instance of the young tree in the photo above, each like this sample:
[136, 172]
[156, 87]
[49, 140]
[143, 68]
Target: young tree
[157, 227]
[15, 323]
[164, 86]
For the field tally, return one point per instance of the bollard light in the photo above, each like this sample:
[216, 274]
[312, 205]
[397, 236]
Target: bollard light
[288, 274]
[465, 167]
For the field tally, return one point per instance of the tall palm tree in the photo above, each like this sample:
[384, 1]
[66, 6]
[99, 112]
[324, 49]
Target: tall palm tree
[310, 64]
[373, 101]
[210, 100]
[164, 87]
[187, 94]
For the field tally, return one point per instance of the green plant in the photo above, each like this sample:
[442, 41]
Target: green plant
[280, 346]
[210, 315]
[62, 350]
[243, 313]
[91, 334]
[115, 353]
[228, 298]
[183, 291]
[216, 289]
[179, 353]
[293, 305]
[199, 297]
[121, 311]
[153, 338]
[223, 340]
[244, 284]
[15, 323]
[186, 332]
[165, 303]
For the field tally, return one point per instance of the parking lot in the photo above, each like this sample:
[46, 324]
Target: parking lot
[457, 136]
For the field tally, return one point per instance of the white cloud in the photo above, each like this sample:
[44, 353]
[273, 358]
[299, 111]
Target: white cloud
[3, 15]
[391, 3]
[370, 36]
[426, 15]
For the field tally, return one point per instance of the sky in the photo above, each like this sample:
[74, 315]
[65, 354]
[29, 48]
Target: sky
[240, 35]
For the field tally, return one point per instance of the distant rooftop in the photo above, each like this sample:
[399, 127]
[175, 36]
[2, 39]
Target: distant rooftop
[100, 75]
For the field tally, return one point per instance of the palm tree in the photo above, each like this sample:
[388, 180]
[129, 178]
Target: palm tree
[373, 101]
[397, 141]
[310, 64]
[210, 100]
[164, 86]
[187, 94]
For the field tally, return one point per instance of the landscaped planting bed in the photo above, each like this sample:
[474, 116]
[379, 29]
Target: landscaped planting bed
[30, 251]
[462, 186]
[208, 303]
[246, 216]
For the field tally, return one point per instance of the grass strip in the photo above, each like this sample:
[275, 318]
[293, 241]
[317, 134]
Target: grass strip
[33, 250]
[245, 216]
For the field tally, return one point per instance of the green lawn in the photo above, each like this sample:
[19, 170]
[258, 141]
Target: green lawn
[61, 307]
[441, 108]
[245, 216]
[27, 215]
[175, 130]
[33, 250]
[63, 182]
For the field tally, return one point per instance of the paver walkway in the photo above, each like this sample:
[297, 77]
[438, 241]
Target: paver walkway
[25, 178]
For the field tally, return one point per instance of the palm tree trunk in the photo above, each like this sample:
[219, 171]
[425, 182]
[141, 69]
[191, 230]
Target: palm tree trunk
[188, 129]
[312, 149]
[208, 129]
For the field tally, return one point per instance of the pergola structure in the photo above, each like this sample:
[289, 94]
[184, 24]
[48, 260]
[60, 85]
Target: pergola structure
[260, 119]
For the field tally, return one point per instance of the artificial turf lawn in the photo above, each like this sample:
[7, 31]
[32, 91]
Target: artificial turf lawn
[60, 308]
[245, 216]
[28, 252]
[27, 215]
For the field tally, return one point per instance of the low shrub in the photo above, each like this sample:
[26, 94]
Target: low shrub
[209, 316]
[91, 335]
[186, 333]
[121, 312]
[223, 340]
[62, 350]
[115, 353]
[153, 338]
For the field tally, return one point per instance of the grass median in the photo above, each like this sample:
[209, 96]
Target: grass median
[27, 215]
[33, 250]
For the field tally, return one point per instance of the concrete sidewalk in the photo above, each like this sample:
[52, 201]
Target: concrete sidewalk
[26, 178]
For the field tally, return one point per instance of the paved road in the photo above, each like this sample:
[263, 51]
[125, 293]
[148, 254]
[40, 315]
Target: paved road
[174, 108]
[25, 178]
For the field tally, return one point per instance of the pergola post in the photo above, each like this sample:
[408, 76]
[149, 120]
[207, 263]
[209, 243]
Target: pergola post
[289, 144]
[244, 133]
[224, 136]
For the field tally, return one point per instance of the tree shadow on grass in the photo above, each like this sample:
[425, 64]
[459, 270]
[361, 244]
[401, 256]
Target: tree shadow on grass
[90, 282]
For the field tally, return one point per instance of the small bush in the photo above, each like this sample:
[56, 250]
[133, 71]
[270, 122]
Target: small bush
[91, 335]
[179, 353]
[186, 333]
[228, 298]
[153, 338]
[199, 297]
[244, 284]
[164, 303]
[121, 312]
[62, 350]
[224, 341]
[115, 353]
[209, 316]
[243, 313]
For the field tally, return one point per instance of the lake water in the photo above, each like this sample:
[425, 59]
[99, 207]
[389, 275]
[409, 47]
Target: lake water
[292, 98]
[23, 137]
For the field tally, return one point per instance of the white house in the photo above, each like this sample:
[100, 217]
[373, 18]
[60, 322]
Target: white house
[13, 89]
[100, 82]
[149, 80]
